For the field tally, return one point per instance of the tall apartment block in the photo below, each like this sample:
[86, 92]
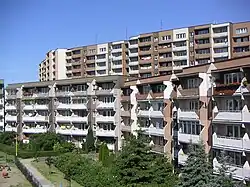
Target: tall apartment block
[150, 54]
[1, 105]
[67, 107]
[208, 102]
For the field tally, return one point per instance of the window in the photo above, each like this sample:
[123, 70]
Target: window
[190, 127]
[103, 49]
[202, 41]
[221, 50]
[193, 105]
[146, 75]
[202, 31]
[117, 46]
[76, 52]
[233, 105]
[133, 42]
[145, 39]
[117, 54]
[236, 158]
[193, 83]
[221, 40]
[203, 61]
[107, 99]
[147, 48]
[181, 35]
[159, 88]
[241, 49]
[107, 112]
[91, 51]
[64, 100]
[80, 88]
[133, 50]
[79, 100]
[146, 89]
[107, 126]
[164, 38]
[230, 78]
[117, 62]
[180, 44]
[235, 131]
[241, 39]
[107, 86]
[90, 57]
[220, 29]
[64, 112]
[103, 56]
[180, 53]
[241, 30]
[134, 67]
[166, 55]
[180, 63]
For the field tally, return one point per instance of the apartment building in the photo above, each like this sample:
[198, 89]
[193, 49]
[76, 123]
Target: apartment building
[68, 107]
[53, 67]
[208, 102]
[1, 105]
[150, 54]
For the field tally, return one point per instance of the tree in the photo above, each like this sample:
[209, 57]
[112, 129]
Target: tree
[198, 171]
[49, 162]
[44, 141]
[7, 138]
[90, 140]
[136, 165]
[224, 178]
[104, 154]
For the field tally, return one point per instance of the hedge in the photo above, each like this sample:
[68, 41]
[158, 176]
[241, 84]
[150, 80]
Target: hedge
[26, 153]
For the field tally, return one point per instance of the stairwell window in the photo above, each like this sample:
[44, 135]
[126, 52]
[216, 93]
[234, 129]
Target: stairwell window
[230, 78]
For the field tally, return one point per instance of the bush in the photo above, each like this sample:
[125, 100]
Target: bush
[25, 153]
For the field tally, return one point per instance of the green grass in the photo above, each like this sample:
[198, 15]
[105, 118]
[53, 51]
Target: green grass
[56, 177]
[17, 179]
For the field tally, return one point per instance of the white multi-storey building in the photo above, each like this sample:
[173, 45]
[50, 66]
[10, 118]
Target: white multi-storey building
[68, 107]
[1, 105]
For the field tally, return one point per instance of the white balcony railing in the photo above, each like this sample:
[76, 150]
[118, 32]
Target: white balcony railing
[134, 63]
[231, 142]
[10, 129]
[104, 119]
[224, 115]
[182, 114]
[81, 106]
[105, 133]
[33, 130]
[10, 118]
[75, 118]
[188, 138]
[10, 107]
[103, 105]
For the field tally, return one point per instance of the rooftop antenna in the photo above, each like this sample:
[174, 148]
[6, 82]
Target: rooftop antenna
[161, 24]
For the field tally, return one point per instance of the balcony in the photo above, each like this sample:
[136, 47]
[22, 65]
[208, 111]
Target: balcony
[116, 66]
[131, 46]
[29, 107]
[182, 48]
[188, 138]
[231, 143]
[40, 107]
[63, 106]
[221, 34]
[37, 118]
[76, 118]
[218, 55]
[103, 105]
[188, 92]
[225, 89]
[226, 115]
[153, 131]
[114, 58]
[62, 93]
[80, 106]
[101, 60]
[176, 58]
[164, 49]
[9, 128]
[61, 118]
[134, 72]
[34, 130]
[220, 45]
[238, 172]
[158, 148]
[116, 50]
[134, 63]
[10, 96]
[187, 114]
[201, 36]
[133, 54]
[10, 118]
[104, 92]
[10, 107]
[41, 94]
[105, 133]
[104, 119]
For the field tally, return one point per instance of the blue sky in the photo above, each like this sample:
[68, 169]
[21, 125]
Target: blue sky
[30, 28]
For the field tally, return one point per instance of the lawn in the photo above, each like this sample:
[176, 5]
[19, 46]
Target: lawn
[16, 178]
[56, 177]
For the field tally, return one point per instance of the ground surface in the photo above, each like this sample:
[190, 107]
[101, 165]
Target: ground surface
[54, 175]
[16, 178]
